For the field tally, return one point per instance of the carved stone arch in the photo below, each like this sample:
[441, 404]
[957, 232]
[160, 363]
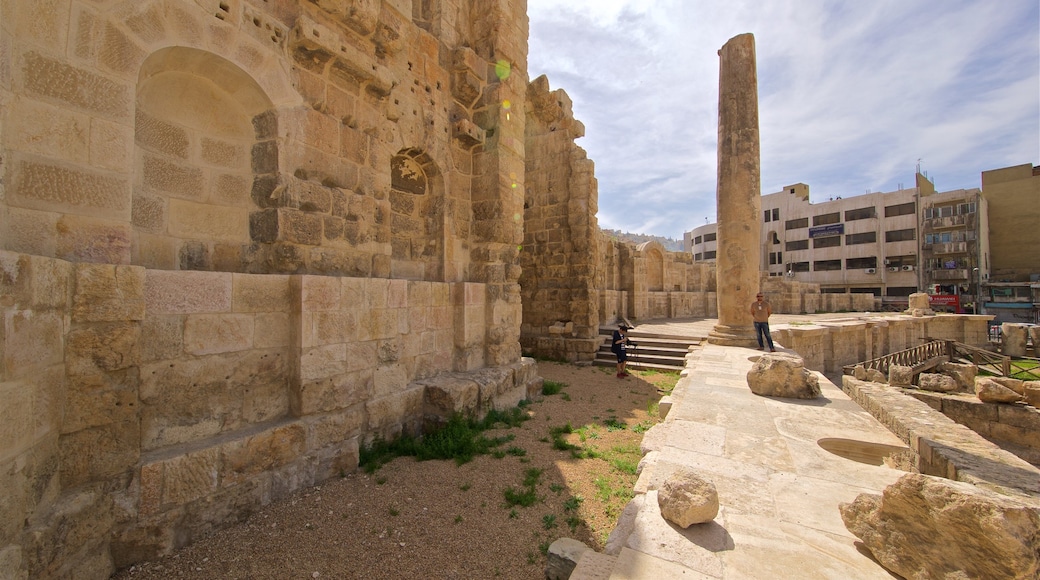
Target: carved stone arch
[204, 140]
[653, 255]
[417, 235]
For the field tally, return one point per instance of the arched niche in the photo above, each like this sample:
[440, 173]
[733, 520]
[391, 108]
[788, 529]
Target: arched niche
[417, 217]
[654, 265]
[204, 141]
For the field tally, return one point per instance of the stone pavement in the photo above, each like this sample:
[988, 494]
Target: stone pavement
[779, 490]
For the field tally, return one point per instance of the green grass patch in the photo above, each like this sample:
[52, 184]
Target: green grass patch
[460, 439]
[612, 424]
[549, 521]
[552, 387]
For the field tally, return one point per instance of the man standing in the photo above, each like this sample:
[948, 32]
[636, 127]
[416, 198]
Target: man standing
[618, 345]
[760, 311]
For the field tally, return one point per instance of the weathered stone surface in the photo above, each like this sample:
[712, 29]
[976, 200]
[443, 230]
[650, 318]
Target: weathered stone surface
[1031, 392]
[964, 374]
[937, 382]
[187, 292]
[928, 527]
[106, 293]
[919, 305]
[875, 376]
[1016, 385]
[900, 376]
[990, 391]
[1013, 338]
[685, 498]
[217, 333]
[783, 375]
[562, 557]
[88, 239]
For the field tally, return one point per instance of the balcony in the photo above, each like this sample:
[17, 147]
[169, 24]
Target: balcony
[953, 221]
[950, 248]
[949, 275]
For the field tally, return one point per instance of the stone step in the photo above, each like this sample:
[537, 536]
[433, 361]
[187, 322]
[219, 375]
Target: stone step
[594, 566]
[654, 351]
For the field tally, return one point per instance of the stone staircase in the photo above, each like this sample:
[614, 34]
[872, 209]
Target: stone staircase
[653, 351]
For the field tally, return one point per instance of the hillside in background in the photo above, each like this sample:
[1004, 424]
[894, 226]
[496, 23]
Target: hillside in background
[668, 243]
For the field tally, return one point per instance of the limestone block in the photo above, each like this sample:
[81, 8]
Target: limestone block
[264, 451]
[334, 428]
[964, 374]
[174, 179]
[1013, 338]
[323, 362]
[82, 89]
[17, 426]
[79, 522]
[187, 292]
[97, 400]
[389, 379]
[161, 337]
[29, 231]
[397, 409]
[190, 476]
[201, 221]
[448, 394]
[875, 376]
[1031, 392]
[46, 130]
[99, 453]
[271, 330]
[230, 190]
[686, 498]
[102, 347]
[990, 391]
[106, 293]
[88, 239]
[260, 293]
[120, 54]
[320, 293]
[159, 136]
[11, 561]
[562, 558]
[1016, 385]
[929, 527]
[31, 341]
[1034, 337]
[50, 187]
[149, 213]
[937, 382]
[783, 375]
[900, 376]
[332, 394]
[217, 333]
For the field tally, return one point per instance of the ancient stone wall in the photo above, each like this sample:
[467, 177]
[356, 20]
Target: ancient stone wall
[240, 238]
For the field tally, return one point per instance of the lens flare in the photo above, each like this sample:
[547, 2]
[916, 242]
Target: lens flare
[503, 69]
[506, 104]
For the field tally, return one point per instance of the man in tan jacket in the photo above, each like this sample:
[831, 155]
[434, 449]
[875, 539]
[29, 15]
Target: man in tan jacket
[760, 311]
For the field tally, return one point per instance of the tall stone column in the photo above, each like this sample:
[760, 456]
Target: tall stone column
[738, 193]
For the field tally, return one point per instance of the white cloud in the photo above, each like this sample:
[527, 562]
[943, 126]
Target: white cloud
[851, 94]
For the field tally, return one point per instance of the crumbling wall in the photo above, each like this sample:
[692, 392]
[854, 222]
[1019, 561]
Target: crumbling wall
[240, 238]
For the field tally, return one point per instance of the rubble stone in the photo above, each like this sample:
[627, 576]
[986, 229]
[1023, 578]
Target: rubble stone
[685, 498]
[783, 375]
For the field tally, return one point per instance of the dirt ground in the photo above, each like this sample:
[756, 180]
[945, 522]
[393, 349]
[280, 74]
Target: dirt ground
[436, 519]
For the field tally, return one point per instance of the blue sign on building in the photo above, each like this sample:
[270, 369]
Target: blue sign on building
[828, 230]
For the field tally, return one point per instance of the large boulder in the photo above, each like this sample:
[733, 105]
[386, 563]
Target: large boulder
[920, 304]
[937, 382]
[1017, 385]
[929, 527]
[990, 391]
[1013, 338]
[686, 498]
[1031, 392]
[562, 557]
[783, 375]
[964, 374]
[900, 376]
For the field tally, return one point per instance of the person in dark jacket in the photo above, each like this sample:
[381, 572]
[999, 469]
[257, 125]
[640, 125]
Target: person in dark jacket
[618, 345]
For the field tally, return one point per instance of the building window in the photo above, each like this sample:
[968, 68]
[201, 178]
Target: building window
[900, 290]
[796, 224]
[874, 291]
[796, 245]
[697, 240]
[900, 209]
[709, 255]
[776, 214]
[860, 214]
[800, 267]
[897, 262]
[698, 257]
[861, 263]
[828, 242]
[863, 238]
[776, 258]
[901, 235]
[826, 265]
[709, 237]
[776, 238]
[827, 218]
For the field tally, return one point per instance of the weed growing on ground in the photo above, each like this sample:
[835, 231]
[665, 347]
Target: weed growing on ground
[549, 521]
[565, 396]
[552, 387]
[527, 495]
[613, 424]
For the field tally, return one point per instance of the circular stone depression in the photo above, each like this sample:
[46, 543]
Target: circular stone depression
[861, 451]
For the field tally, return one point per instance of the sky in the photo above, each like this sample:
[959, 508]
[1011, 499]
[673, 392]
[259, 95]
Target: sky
[853, 95]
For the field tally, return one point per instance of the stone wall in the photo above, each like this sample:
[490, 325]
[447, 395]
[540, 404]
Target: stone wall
[240, 238]
[144, 408]
[829, 346]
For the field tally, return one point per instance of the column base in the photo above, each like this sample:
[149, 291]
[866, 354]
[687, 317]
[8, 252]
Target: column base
[733, 336]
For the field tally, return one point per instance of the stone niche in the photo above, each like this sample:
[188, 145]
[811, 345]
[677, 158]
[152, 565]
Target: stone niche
[239, 240]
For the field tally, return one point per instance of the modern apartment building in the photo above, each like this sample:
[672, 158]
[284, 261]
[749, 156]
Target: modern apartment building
[888, 244]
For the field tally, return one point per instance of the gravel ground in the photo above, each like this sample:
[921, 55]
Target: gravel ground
[434, 519]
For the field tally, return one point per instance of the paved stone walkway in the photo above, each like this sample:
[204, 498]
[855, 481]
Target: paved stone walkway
[779, 490]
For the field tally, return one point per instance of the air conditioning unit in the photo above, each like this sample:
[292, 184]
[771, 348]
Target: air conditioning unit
[893, 268]
[908, 268]
[871, 270]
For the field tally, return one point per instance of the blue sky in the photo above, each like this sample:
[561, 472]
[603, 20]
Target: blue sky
[851, 95]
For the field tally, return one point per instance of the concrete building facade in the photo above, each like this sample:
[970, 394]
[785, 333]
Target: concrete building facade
[889, 244]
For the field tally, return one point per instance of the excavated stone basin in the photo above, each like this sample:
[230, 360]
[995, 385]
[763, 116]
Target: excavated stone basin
[862, 451]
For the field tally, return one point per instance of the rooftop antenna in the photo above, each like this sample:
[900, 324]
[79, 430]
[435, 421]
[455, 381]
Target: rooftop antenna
[919, 165]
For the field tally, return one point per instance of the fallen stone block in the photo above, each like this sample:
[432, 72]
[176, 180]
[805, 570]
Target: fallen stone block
[1013, 338]
[929, 527]
[1016, 385]
[1032, 393]
[900, 376]
[562, 557]
[990, 391]
[876, 376]
[783, 375]
[685, 498]
[937, 382]
[964, 374]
